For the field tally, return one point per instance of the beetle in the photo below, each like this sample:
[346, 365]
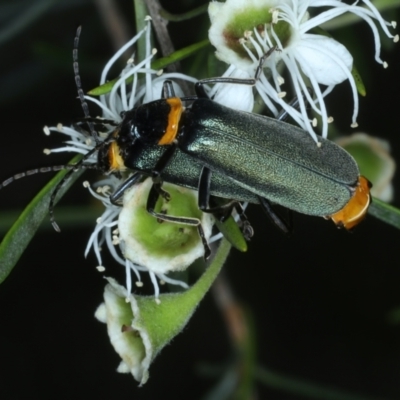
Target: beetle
[252, 158]
[226, 153]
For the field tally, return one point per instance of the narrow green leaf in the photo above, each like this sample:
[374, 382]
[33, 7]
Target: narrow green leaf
[156, 65]
[68, 217]
[184, 16]
[25, 18]
[23, 230]
[385, 212]
[232, 233]
[359, 82]
[140, 15]
[180, 54]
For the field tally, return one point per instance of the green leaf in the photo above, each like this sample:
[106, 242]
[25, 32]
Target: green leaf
[385, 212]
[156, 65]
[140, 16]
[184, 16]
[359, 82]
[23, 230]
[232, 233]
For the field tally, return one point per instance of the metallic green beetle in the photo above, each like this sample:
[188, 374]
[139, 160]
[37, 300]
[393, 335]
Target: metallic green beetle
[248, 156]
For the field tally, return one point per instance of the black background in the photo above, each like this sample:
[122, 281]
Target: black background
[320, 300]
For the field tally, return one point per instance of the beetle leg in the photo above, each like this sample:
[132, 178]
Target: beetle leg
[97, 123]
[162, 163]
[247, 229]
[204, 189]
[119, 192]
[156, 191]
[151, 204]
[201, 92]
[220, 211]
[167, 90]
[285, 227]
[199, 86]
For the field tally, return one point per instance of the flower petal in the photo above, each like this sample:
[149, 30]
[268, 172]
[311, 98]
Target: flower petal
[315, 54]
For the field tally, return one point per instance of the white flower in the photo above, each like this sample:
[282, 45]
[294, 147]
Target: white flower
[107, 232]
[125, 96]
[244, 30]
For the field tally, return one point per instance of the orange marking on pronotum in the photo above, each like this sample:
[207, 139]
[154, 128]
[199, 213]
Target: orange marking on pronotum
[174, 117]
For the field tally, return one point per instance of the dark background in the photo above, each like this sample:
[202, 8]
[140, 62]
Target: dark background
[321, 300]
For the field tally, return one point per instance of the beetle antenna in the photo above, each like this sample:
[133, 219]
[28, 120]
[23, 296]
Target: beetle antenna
[78, 84]
[73, 168]
[53, 168]
[99, 143]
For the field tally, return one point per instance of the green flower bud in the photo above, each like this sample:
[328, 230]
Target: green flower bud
[140, 327]
[374, 161]
[162, 246]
